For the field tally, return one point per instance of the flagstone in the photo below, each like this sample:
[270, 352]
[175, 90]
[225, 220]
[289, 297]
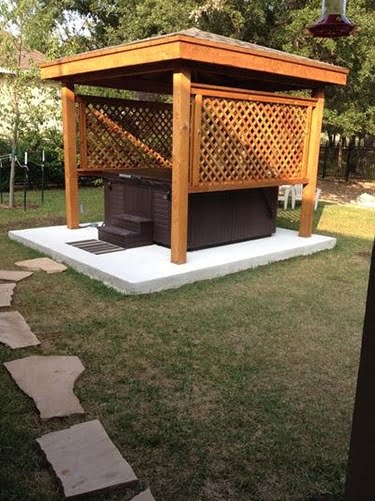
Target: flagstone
[42, 263]
[6, 293]
[49, 381]
[85, 459]
[144, 496]
[14, 276]
[15, 332]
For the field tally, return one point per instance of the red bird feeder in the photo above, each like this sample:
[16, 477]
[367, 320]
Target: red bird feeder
[333, 23]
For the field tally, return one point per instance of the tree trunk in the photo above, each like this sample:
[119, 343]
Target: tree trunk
[340, 146]
[15, 138]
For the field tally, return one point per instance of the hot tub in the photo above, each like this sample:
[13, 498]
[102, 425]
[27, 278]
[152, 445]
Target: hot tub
[137, 212]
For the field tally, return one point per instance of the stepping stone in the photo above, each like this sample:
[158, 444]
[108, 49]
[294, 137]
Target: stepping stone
[86, 460]
[6, 293]
[42, 263]
[49, 381]
[144, 496]
[14, 276]
[15, 332]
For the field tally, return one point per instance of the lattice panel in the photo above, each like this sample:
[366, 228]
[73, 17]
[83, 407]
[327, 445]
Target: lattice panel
[250, 141]
[127, 134]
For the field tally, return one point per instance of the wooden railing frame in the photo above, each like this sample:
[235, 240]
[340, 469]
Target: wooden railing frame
[199, 91]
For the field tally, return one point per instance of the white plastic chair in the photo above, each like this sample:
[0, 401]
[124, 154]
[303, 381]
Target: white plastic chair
[284, 191]
[296, 193]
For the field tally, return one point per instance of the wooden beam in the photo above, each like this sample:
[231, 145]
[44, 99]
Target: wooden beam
[122, 102]
[264, 97]
[133, 84]
[150, 71]
[108, 60]
[309, 190]
[70, 156]
[263, 59]
[205, 187]
[214, 74]
[180, 161]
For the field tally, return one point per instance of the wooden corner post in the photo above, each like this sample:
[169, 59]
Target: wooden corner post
[308, 195]
[70, 156]
[180, 165]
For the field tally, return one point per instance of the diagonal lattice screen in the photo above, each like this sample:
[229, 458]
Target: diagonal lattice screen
[237, 142]
[246, 141]
[127, 134]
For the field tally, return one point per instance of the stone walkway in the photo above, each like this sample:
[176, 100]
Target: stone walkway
[85, 459]
[42, 263]
[14, 276]
[6, 294]
[49, 381]
[82, 456]
[15, 332]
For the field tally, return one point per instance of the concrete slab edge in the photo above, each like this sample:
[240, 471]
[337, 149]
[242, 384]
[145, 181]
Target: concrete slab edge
[157, 285]
[173, 282]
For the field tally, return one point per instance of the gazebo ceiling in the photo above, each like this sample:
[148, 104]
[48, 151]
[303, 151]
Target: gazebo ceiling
[148, 65]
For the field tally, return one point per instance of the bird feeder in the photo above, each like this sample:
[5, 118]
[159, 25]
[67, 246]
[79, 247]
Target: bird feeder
[333, 23]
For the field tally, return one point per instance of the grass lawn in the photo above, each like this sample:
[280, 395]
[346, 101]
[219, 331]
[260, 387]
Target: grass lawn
[237, 388]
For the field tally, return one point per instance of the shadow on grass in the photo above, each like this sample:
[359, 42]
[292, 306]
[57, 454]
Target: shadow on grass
[290, 218]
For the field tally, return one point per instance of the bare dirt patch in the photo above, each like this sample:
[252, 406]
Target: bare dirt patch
[342, 192]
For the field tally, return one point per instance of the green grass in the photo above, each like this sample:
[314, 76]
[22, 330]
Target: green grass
[237, 388]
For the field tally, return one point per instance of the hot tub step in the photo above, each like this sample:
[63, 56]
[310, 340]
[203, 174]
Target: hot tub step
[124, 238]
[133, 223]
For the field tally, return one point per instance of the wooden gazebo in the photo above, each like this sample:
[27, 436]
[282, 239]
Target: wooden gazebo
[234, 122]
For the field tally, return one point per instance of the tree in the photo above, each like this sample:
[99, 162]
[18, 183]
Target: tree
[22, 26]
[350, 111]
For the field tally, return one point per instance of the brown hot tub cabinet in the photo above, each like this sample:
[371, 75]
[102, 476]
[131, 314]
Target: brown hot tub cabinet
[137, 212]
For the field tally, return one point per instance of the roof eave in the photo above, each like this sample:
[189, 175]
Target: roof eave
[185, 49]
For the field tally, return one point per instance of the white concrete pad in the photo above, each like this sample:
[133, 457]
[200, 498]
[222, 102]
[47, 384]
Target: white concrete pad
[148, 269]
[85, 459]
[14, 276]
[15, 332]
[49, 381]
[42, 263]
[6, 294]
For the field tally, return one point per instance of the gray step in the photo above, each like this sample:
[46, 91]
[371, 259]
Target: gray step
[122, 237]
[133, 222]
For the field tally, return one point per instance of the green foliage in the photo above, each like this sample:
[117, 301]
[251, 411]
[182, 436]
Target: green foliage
[281, 25]
[52, 144]
[350, 110]
[28, 108]
[60, 27]
[151, 17]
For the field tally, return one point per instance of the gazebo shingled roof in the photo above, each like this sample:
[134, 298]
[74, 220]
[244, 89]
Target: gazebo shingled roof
[203, 71]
